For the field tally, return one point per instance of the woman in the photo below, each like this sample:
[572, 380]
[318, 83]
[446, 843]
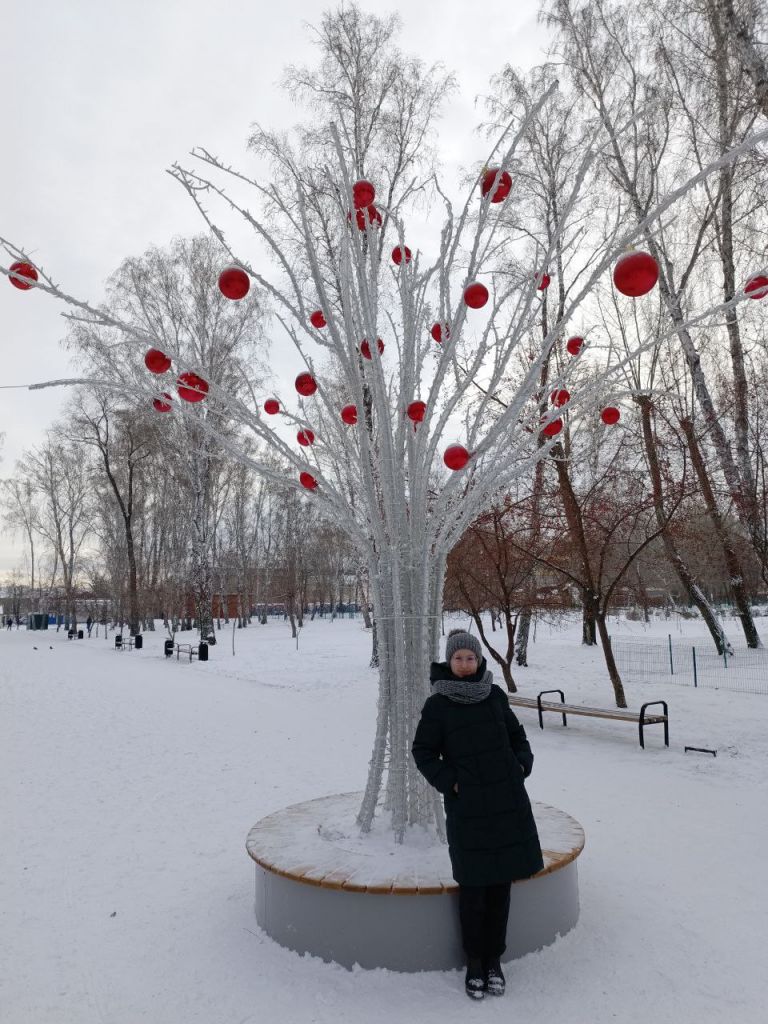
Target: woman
[470, 746]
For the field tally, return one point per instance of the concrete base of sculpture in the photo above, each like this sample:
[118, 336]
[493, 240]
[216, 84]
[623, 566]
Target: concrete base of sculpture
[323, 889]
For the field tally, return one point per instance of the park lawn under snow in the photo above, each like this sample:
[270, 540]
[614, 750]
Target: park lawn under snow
[130, 783]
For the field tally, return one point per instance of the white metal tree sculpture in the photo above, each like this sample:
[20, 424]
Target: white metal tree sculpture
[382, 478]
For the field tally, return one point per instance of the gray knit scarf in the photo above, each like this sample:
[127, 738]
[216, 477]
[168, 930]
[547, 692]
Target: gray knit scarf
[464, 691]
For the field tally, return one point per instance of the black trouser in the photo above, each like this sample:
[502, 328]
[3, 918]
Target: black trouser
[483, 912]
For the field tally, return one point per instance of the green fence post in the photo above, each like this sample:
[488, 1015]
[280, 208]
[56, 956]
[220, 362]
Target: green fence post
[695, 683]
[671, 663]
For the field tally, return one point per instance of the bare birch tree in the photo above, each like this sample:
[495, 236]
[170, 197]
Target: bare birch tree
[60, 476]
[20, 514]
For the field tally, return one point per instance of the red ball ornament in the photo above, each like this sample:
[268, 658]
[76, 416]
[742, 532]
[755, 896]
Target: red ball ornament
[317, 319]
[456, 456]
[234, 283]
[757, 287]
[306, 384]
[397, 254]
[349, 414]
[574, 346]
[26, 270]
[502, 187]
[365, 348]
[157, 361]
[560, 396]
[191, 387]
[159, 405]
[308, 481]
[271, 406]
[440, 331]
[635, 274]
[363, 194]
[544, 282]
[369, 217]
[305, 437]
[610, 415]
[416, 411]
[553, 429]
[476, 295]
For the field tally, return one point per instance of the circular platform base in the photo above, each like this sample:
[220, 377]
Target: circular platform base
[323, 889]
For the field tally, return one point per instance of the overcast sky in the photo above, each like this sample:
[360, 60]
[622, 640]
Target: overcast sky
[100, 98]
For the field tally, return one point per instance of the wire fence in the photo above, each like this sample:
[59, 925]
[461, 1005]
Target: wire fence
[692, 662]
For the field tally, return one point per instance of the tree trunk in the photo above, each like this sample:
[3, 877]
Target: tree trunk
[362, 591]
[407, 596]
[735, 573]
[134, 616]
[642, 594]
[35, 599]
[523, 632]
[503, 662]
[126, 511]
[203, 597]
[588, 621]
[374, 662]
[683, 573]
[610, 662]
[590, 595]
[724, 235]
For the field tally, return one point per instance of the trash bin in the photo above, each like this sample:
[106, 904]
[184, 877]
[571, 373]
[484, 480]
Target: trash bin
[168, 648]
[202, 651]
[138, 642]
[79, 634]
[119, 640]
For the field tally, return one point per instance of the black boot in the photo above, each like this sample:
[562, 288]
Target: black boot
[494, 977]
[474, 982]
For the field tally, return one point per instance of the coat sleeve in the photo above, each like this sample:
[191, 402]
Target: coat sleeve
[427, 748]
[518, 740]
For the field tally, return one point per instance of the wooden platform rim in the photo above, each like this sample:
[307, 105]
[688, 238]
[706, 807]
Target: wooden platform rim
[308, 874]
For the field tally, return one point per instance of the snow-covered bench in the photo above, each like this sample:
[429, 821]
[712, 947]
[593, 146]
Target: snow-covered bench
[189, 649]
[616, 714]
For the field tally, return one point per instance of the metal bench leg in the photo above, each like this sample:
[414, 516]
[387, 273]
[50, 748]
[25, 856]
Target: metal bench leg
[538, 703]
[665, 722]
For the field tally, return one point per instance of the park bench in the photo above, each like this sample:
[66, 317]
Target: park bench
[615, 714]
[191, 649]
[124, 643]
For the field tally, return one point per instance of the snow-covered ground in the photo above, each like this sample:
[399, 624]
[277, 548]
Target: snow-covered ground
[129, 784]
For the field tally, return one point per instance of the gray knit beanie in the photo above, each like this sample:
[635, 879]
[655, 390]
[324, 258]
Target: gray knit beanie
[460, 640]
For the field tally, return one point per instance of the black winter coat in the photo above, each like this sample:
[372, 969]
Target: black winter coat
[492, 836]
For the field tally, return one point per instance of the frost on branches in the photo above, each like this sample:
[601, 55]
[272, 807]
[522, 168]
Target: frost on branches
[407, 471]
